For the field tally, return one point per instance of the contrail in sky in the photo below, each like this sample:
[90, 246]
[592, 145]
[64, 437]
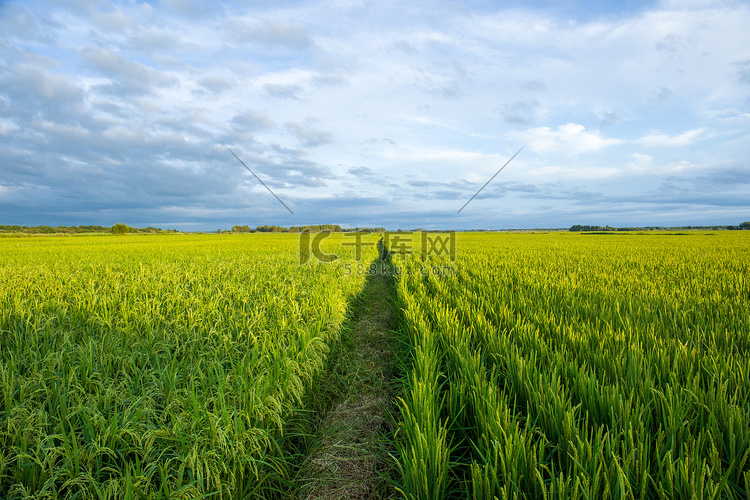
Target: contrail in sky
[485, 184]
[264, 184]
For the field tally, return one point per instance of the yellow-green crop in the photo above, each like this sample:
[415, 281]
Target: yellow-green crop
[580, 366]
[158, 366]
[543, 365]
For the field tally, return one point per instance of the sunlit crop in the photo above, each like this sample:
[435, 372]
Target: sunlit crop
[539, 366]
[579, 366]
[158, 366]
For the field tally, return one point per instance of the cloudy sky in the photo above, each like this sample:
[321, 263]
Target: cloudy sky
[374, 113]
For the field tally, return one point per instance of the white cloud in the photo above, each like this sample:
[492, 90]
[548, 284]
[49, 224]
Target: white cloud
[271, 32]
[251, 120]
[125, 75]
[656, 139]
[679, 166]
[557, 173]
[282, 91]
[641, 163]
[115, 20]
[571, 137]
[439, 155]
[50, 87]
[308, 135]
[6, 126]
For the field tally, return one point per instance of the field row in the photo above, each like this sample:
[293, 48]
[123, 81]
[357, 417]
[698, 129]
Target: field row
[579, 366]
[159, 366]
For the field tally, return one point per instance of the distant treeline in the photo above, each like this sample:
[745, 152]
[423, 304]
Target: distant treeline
[125, 229]
[578, 227]
[53, 230]
[116, 229]
[298, 229]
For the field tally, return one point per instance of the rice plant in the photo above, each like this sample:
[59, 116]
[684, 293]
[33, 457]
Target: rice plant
[158, 366]
[582, 366]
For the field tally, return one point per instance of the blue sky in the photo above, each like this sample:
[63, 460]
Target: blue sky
[374, 113]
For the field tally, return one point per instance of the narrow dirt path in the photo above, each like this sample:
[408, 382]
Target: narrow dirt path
[349, 455]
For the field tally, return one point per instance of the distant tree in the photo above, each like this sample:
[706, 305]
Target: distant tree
[587, 228]
[744, 225]
[120, 228]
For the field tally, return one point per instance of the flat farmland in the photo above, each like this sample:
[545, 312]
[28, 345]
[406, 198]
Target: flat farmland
[158, 366]
[572, 365]
[531, 366]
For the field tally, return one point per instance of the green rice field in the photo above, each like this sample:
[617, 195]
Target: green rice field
[579, 366]
[157, 366]
[535, 366]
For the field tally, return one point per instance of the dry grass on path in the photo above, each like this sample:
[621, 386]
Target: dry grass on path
[350, 454]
